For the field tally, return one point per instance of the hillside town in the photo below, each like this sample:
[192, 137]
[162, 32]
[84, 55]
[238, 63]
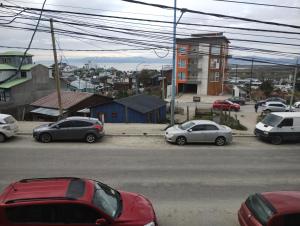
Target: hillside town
[112, 114]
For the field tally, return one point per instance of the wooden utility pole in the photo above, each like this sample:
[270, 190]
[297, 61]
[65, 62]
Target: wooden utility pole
[56, 73]
[294, 84]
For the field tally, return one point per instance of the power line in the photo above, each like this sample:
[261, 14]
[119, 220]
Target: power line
[154, 21]
[212, 14]
[259, 4]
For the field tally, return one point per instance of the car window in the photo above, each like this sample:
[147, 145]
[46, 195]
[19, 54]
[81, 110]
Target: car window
[30, 214]
[271, 120]
[291, 220]
[198, 128]
[262, 210]
[287, 122]
[65, 124]
[53, 214]
[76, 214]
[211, 127]
[186, 125]
[81, 123]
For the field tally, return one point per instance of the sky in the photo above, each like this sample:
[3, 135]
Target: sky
[20, 38]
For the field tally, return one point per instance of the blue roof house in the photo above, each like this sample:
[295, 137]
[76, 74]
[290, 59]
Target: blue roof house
[134, 109]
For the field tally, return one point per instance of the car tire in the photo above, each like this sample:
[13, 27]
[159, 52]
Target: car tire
[267, 111]
[276, 140]
[90, 138]
[220, 141]
[45, 138]
[181, 140]
[2, 138]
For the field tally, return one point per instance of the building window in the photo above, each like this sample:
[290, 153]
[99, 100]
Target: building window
[23, 74]
[215, 50]
[182, 50]
[181, 76]
[214, 77]
[181, 63]
[215, 63]
[114, 114]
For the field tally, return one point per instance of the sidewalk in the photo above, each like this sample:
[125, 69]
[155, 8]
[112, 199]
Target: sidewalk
[121, 129]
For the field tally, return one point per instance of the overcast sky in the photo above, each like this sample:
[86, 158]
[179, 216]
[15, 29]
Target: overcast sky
[12, 37]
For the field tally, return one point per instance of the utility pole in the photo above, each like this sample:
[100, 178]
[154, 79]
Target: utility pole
[294, 84]
[174, 63]
[236, 69]
[56, 73]
[250, 89]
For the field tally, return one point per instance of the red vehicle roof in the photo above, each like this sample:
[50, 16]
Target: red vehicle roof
[284, 201]
[46, 188]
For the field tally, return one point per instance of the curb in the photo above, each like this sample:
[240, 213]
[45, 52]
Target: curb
[143, 135]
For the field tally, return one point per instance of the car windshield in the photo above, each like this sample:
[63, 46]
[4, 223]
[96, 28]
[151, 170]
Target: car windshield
[262, 210]
[107, 199]
[229, 102]
[186, 125]
[9, 120]
[271, 120]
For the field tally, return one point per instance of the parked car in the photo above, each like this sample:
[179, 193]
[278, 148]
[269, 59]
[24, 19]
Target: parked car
[72, 201]
[277, 99]
[297, 104]
[225, 105]
[71, 128]
[280, 208]
[8, 127]
[237, 100]
[277, 127]
[276, 107]
[199, 131]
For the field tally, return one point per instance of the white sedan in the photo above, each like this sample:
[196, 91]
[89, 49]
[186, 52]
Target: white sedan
[198, 131]
[297, 104]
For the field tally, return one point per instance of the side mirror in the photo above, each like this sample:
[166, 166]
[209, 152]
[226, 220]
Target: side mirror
[101, 221]
[190, 130]
[279, 126]
[56, 127]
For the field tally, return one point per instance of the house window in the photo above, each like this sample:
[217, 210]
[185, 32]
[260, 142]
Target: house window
[23, 74]
[214, 76]
[181, 76]
[215, 50]
[114, 114]
[181, 63]
[215, 63]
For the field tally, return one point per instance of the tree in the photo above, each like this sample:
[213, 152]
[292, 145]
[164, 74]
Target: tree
[267, 87]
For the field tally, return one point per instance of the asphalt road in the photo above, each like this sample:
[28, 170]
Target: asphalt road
[195, 185]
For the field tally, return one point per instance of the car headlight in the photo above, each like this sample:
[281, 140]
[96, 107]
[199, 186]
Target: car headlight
[266, 132]
[150, 224]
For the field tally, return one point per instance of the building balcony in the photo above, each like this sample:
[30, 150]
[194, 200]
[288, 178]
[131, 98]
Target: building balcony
[193, 80]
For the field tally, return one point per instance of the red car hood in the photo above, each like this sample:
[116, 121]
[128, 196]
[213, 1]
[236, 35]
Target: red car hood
[136, 210]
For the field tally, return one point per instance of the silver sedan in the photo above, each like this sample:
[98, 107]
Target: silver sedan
[199, 131]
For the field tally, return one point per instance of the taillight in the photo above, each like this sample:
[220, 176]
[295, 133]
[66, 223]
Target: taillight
[98, 127]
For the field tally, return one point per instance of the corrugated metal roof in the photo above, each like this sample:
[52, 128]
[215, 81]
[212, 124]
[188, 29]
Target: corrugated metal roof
[14, 53]
[15, 82]
[7, 67]
[68, 99]
[46, 111]
[142, 103]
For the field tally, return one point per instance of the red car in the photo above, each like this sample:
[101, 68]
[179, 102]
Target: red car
[271, 209]
[225, 105]
[72, 201]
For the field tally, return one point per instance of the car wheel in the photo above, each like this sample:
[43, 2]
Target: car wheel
[276, 140]
[181, 140]
[90, 138]
[220, 141]
[45, 138]
[2, 138]
[267, 111]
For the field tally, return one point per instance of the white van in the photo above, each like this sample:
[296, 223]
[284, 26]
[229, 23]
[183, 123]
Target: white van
[8, 127]
[279, 126]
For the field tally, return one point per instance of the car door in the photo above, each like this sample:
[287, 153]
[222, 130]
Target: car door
[287, 129]
[196, 134]
[62, 130]
[211, 132]
[79, 129]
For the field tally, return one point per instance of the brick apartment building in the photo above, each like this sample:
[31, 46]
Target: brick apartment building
[202, 64]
